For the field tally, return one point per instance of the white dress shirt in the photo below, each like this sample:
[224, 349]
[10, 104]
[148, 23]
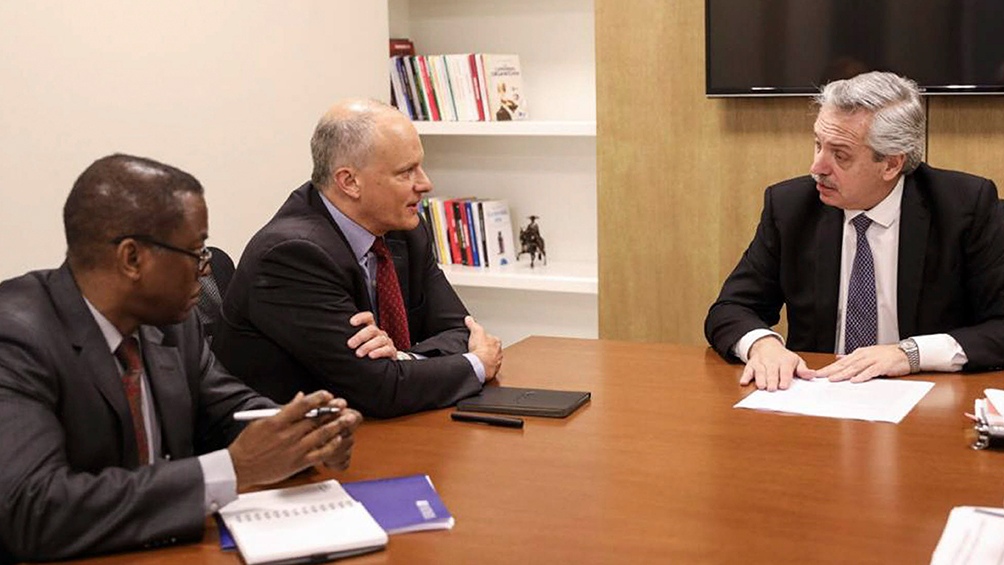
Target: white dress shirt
[218, 473]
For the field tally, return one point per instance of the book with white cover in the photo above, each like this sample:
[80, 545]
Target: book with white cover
[444, 90]
[498, 233]
[291, 525]
[972, 535]
[504, 86]
[462, 87]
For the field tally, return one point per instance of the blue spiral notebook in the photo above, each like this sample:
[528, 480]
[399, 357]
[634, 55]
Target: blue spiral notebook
[402, 504]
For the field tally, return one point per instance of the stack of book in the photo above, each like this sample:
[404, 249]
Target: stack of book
[469, 231]
[329, 520]
[467, 87]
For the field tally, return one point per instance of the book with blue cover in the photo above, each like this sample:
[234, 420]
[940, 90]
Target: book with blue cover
[402, 504]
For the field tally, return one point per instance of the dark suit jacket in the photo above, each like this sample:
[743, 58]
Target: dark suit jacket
[69, 484]
[286, 317]
[950, 277]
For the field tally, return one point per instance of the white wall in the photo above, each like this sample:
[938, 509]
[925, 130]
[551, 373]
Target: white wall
[227, 90]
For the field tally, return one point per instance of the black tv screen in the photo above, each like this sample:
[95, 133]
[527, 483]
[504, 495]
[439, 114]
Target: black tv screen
[781, 47]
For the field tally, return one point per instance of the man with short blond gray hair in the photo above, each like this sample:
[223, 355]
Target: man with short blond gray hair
[347, 248]
[894, 265]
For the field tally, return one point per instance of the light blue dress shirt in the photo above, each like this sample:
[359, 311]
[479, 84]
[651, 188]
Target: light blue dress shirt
[361, 240]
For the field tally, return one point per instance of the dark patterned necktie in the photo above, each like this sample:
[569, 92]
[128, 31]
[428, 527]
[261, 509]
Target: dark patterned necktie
[862, 311]
[128, 354]
[393, 318]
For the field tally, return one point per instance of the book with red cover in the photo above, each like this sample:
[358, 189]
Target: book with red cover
[458, 220]
[477, 79]
[401, 46]
[451, 233]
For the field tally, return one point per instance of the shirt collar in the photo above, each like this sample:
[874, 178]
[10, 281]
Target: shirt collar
[886, 212]
[360, 240]
[108, 329]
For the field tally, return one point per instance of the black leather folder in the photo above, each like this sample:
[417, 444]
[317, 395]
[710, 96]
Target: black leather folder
[525, 401]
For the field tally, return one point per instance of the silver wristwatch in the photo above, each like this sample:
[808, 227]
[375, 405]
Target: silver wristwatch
[909, 346]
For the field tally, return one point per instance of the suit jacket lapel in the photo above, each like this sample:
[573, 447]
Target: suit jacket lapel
[314, 203]
[829, 239]
[169, 389]
[97, 365]
[915, 222]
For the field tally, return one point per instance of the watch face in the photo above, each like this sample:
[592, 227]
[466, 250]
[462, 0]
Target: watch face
[909, 347]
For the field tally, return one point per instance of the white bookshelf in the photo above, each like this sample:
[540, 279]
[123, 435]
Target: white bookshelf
[549, 128]
[545, 166]
[574, 277]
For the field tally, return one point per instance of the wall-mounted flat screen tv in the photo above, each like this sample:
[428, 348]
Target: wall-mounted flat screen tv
[784, 47]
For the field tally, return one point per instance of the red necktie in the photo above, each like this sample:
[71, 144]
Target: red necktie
[393, 318]
[128, 354]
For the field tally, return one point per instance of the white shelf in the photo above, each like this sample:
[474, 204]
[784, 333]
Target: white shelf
[578, 278]
[551, 128]
[545, 166]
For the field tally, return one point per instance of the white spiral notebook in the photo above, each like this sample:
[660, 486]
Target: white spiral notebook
[312, 523]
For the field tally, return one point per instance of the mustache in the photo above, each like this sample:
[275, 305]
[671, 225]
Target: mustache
[823, 180]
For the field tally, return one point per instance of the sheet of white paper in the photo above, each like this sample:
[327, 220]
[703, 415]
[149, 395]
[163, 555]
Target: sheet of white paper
[877, 400]
[971, 536]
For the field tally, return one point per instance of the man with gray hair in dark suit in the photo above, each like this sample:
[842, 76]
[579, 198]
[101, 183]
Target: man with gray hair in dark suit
[894, 265]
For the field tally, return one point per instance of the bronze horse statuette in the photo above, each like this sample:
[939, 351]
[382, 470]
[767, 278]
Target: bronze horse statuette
[531, 242]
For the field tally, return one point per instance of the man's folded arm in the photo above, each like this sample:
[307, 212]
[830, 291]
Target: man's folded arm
[299, 301]
[440, 322]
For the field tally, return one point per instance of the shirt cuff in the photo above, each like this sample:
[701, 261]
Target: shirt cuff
[940, 352]
[742, 347]
[219, 478]
[476, 364]
[479, 367]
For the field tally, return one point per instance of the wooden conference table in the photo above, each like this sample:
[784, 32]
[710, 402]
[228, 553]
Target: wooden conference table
[659, 468]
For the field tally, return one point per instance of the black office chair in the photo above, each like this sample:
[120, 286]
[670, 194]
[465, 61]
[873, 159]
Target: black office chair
[214, 287]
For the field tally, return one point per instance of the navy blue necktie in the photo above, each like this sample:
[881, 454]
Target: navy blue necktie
[861, 321]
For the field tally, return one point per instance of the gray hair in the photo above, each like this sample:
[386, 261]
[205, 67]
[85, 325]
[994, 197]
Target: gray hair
[898, 121]
[343, 138]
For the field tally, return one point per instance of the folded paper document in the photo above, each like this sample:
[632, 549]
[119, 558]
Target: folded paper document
[877, 400]
[312, 523]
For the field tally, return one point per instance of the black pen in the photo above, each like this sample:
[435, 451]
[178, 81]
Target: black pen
[990, 512]
[490, 420]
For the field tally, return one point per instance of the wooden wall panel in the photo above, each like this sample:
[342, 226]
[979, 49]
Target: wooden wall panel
[966, 133]
[680, 176]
